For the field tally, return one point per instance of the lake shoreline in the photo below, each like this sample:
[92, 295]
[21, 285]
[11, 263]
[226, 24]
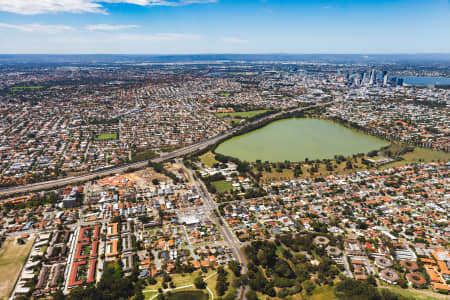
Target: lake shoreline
[350, 135]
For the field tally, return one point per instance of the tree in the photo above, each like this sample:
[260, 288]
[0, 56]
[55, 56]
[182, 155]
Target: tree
[199, 282]
[309, 286]
[139, 295]
[356, 289]
[371, 280]
[155, 181]
[58, 295]
[251, 295]
[403, 283]
[235, 267]
[283, 269]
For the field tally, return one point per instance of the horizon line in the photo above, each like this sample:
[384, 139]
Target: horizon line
[238, 53]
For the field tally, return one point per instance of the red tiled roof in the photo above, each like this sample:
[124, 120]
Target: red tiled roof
[78, 251]
[94, 249]
[73, 274]
[91, 274]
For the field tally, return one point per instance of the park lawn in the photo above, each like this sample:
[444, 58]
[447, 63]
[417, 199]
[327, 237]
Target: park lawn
[277, 176]
[184, 279]
[149, 295]
[208, 159]
[222, 186]
[178, 279]
[155, 286]
[416, 294]
[288, 174]
[211, 283]
[15, 88]
[241, 114]
[234, 121]
[420, 155]
[106, 137]
[12, 259]
[417, 156]
[322, 293]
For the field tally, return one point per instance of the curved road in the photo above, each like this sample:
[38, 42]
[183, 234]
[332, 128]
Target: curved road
[177, 153]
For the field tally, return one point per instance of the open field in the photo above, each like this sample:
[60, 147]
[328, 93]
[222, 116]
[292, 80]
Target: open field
[241, 114]
[286, 174]
[106, 137]
[149, 295]
[418, 294]
[12, 259]
[179, 279]
[417, 156]
[143, 178]
[211, 283]
[421, 155]
[208, 159]
[222, 186]
[183, 282]
[18, 88]
[188, 295]
[322, 293]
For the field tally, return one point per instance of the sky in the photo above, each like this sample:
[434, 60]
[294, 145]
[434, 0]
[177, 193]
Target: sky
[224, 26]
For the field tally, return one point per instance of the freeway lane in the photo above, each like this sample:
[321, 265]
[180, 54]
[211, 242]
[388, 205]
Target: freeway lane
[120, 169]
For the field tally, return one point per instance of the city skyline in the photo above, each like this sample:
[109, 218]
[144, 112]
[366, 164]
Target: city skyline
[210, 26]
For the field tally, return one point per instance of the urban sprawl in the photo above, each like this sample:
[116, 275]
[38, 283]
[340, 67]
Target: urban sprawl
[207, 222]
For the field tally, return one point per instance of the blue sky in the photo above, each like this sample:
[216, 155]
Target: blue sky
[224, 26]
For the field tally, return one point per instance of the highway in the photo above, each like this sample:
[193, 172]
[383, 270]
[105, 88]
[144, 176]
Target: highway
[120, 169]
[228, 236]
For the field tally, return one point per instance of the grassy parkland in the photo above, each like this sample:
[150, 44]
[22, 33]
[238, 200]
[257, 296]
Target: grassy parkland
[241, 114]
[106, 137]
[13, 255]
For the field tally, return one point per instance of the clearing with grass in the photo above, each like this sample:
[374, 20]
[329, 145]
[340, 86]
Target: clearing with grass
[20, 88]
[241, 114]
[417, 294]
[106, 137]
[419, 155]
[222, 186]
[208, 159]
[12, 259]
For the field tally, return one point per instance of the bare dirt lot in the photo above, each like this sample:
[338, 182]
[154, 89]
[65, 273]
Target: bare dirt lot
[143, 178]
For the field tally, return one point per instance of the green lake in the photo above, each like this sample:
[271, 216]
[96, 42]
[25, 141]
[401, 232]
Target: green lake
[297, 139]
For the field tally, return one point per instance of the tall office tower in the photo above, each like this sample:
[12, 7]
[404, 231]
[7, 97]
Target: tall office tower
[385, 78]
[393, 81]
[373, 78]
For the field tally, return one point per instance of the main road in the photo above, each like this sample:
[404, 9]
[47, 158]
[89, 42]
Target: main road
[120, 169]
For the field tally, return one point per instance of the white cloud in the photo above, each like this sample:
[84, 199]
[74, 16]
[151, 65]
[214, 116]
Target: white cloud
[234, 40]
[33, 7]
[108, 27]
[37, 27]
[159, 37]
